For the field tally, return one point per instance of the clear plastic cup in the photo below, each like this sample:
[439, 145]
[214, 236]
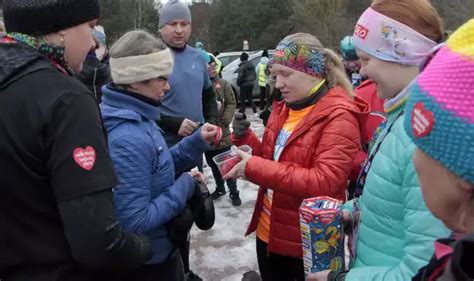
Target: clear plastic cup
[227, 160]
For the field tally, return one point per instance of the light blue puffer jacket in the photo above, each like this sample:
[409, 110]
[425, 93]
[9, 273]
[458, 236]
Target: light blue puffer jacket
[396, 231]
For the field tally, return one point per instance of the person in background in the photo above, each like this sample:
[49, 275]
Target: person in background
[245, 81]
[148, 195]
[440, 121]
[351, 60]
[262, 80]
[307, 149]
[2, 27]
[226, 105]
[96, 71]
[391, 208]
[57, 215]
[191, 100]
[367, 90]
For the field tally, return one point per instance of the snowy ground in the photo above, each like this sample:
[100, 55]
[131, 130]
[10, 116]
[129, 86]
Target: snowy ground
[224, 253]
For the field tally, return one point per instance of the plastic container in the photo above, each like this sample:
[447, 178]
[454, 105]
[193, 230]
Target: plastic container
[227, 160]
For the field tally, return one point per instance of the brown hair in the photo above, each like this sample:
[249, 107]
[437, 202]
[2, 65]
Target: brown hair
[334, 72]
[417, 14]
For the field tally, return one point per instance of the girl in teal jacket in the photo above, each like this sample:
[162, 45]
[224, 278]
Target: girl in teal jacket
[395, 229]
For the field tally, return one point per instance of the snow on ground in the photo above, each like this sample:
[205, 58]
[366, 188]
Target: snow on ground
[223, 252]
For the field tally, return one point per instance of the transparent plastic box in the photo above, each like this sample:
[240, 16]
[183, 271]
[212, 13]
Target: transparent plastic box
[227, 160]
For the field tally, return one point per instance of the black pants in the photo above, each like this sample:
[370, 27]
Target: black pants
[277, 267]
[169, 270]
[263, 91]
[231, 184]
[246, 93]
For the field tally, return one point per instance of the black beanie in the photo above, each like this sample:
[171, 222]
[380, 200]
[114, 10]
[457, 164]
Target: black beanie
[40, 17]
[244, 56]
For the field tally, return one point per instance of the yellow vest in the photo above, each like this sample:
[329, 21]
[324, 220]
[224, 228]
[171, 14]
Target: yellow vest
[262, 77]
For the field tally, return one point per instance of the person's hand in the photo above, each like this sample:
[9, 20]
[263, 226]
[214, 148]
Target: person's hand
[238, 171]
[346, 216]
[209, 132]
[240, 125]
[187, 128]
[200, 176]
[318, 276]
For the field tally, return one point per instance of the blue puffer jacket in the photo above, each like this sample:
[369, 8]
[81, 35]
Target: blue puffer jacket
[148, 195]
[396, 231]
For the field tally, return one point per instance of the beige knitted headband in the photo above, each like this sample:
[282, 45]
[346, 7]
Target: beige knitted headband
[128, 70]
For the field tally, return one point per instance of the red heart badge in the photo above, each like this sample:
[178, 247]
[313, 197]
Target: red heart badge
[85, 158]
[422, 120]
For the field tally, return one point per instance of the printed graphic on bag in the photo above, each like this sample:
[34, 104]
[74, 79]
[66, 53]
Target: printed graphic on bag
[322, 234]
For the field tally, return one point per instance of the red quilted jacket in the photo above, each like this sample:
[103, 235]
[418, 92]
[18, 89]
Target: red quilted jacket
[368, 92]
[316, 161]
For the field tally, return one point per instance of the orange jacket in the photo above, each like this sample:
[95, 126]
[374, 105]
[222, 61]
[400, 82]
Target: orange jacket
[316, 161]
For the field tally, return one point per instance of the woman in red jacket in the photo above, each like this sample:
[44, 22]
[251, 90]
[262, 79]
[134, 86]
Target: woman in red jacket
[307, 149]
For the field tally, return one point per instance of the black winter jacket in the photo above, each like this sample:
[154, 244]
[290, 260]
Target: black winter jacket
[57, 215]
[247, 75]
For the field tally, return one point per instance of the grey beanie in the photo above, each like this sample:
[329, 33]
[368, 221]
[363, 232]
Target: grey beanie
[174, 10]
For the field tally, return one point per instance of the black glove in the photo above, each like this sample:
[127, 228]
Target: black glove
[240, 124]
[202, 206]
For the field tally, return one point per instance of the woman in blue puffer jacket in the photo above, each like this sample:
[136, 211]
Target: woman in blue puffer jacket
[396, 231]
[148, 195]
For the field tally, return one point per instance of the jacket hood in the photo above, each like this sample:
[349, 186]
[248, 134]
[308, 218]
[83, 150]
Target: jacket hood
[264, 60]
[19, 60]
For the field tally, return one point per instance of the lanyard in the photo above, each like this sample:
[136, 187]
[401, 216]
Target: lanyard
[368, 163]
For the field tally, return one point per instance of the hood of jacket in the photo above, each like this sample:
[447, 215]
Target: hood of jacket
[19, 60]
[264, 60]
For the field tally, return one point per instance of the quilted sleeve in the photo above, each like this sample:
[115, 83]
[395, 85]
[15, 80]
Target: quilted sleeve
[421, 229]
[330, 163]
[137, 211]
[187, 153]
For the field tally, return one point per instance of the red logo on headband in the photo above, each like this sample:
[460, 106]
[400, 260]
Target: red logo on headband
[361, 32]
[422, 120]
[279, 53]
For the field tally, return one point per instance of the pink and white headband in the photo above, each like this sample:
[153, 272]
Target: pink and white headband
[390, 40]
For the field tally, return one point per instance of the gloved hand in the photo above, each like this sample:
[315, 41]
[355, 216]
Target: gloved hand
[240, 124]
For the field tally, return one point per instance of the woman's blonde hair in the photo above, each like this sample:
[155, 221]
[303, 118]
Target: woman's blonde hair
[334, 71]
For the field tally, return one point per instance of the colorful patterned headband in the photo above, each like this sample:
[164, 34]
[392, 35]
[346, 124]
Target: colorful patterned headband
[299, 57]
[390, 40]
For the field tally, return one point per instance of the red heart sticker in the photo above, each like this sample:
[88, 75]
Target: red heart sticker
[218, 136]
[85, 158]
[422, 120]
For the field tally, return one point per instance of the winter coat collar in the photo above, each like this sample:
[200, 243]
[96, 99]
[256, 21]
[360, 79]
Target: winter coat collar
[129, 107]
[336, 98]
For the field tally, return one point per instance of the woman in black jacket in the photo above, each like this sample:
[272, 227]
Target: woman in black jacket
[57, 216]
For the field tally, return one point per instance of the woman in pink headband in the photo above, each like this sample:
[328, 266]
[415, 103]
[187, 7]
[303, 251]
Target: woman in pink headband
[395, 229]
[307, 150]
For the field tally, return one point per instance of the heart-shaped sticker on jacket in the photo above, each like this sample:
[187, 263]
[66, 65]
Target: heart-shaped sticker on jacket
[85, 157]
[422, 120]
